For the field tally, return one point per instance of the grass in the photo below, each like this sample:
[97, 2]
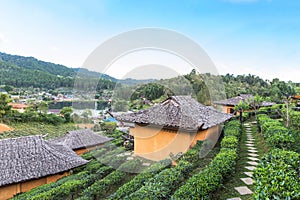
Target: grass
[37, 128]
[227, 190]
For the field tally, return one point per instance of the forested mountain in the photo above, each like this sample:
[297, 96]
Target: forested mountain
[11, 74]
[20, 71]
[35, 64]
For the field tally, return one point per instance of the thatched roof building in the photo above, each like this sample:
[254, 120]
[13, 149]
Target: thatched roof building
[79, 139]
[242, 97]
[180, 112]
[235, 100]
[26, 158]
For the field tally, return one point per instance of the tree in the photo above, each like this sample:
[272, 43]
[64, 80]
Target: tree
[257, 101]
[42, 107]
[66, 113]
[243, 105]
[120, 105]
[4, 107]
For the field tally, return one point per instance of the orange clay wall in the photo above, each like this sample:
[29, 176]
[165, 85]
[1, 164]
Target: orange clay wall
[84, 150]
[157, 144]
[9, 191]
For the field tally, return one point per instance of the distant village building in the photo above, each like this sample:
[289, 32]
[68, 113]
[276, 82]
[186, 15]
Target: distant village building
[28, 162]
[81, 141]
[173, 126]
[20, 107]
[228, 105]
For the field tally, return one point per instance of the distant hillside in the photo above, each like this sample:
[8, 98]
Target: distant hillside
[130, 81]
[20, 71]
[35, 64]
[94, 74]
[11, 74]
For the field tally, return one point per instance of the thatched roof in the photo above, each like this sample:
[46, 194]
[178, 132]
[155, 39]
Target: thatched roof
[267, 104]
[178, 112]
[235, 100]
[242, 97]
[32, 157]
[82, 138]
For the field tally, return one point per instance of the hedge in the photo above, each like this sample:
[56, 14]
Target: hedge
[202, 184]
[230, 142]
[139, 180]
[71, 187]
[233, 128]
[192, 155]
[277, 136]
[100, 188]
[82, 178]
[164, 183]
[277, 176]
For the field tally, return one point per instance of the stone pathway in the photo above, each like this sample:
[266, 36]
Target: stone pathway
[253, 162]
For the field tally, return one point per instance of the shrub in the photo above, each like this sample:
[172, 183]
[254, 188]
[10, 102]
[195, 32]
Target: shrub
[192, 155]
[229, 142]
[138, 181]
[233, 128]
[98, 189]
[109, 127]
[277, 176]
[202, 184]
[280, 140]
[268, 124]
[163, 184]
[205, 182]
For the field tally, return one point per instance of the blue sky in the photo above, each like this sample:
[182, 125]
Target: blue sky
[260, 37]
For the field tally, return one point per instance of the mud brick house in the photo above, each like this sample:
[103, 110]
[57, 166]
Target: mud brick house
[173, 126]
[28, 162]
[81, 141]
[228, 105]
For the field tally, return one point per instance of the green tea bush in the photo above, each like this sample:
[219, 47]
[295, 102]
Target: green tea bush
[202, 184]
[233, 128]
[229, 142]
[192, 155]
[280, 140]
[139, 181]
[277, 176]
[100, 188]
[164, 183]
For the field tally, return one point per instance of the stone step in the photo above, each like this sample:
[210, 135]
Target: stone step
[252, 151]
[234, 198]
[251, 168]
[252, 163]
[253, 154]
[250, 145]
[253, 159]
[247, 181]
[243, 190]
[250, 174]
[253, 148]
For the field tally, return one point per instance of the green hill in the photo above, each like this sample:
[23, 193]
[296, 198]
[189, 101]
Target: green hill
[20, 71]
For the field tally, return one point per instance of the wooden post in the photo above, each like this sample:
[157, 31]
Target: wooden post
[241, 116]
